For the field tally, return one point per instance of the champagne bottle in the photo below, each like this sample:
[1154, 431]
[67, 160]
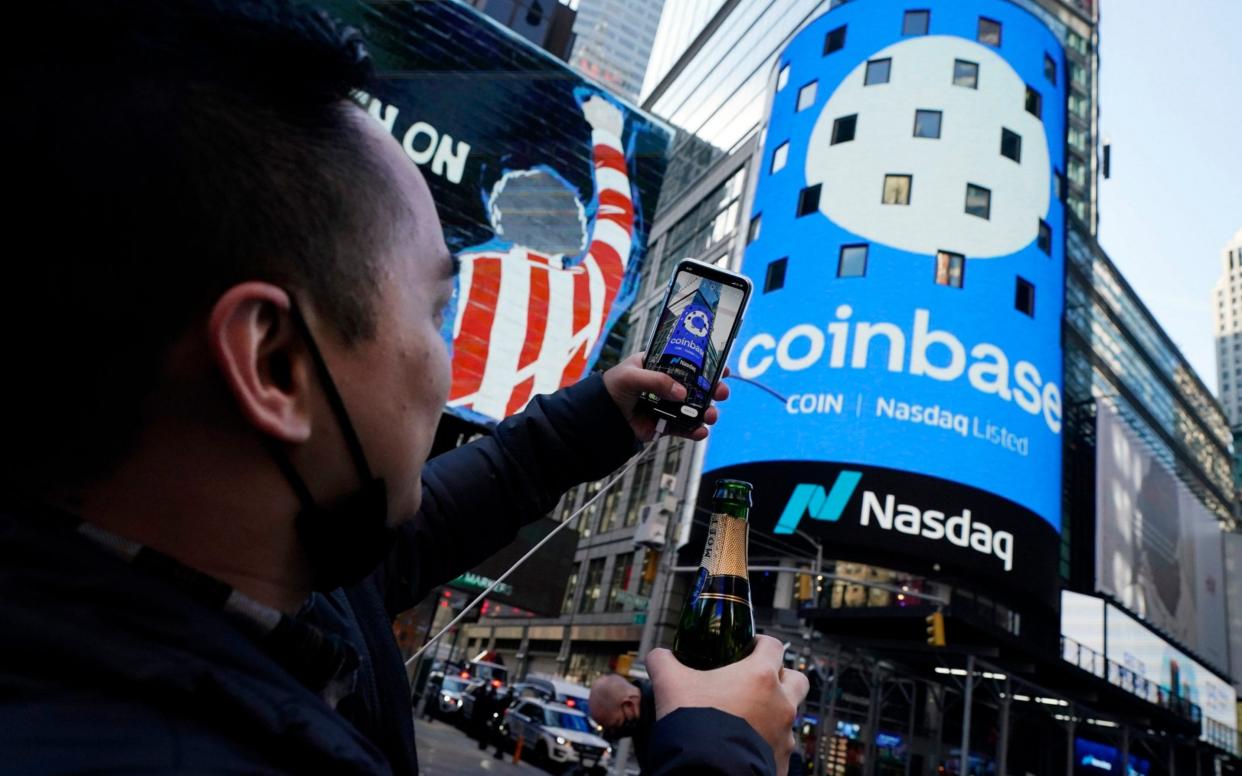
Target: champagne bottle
[717, 625]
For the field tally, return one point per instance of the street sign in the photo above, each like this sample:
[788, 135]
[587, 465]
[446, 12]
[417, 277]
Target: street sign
[639, 602]
[640, 618]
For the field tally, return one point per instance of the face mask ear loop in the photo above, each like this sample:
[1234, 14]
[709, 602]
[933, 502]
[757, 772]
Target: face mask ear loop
[333, 396]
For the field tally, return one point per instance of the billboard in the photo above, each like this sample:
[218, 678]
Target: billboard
[545, 186]
[909, 264]
[1129, 644]
[1159, 551]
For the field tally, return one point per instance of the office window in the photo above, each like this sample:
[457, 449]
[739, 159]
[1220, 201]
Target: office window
[1024, 297]
[808, 200]
[915, 22]
[950, 269]
[1011, 145]
[782, 78]
[843, 128]
[927, 123]
[572, 587]
[834, 40]
[1034, 103]
[1044, 241]
[622, 571]
[752, 232]
[774, 279]
[989, 32]
[978, 201]
[639, 486]
[896, 190]
[852, 261]
[966, 74]
[780, 156]
[806, 95]
[591, 586]
[1050, 69]
[877, 72]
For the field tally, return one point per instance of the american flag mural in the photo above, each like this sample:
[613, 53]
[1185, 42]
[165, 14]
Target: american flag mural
[544, 182]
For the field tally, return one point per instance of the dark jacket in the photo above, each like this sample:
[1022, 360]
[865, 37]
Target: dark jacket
[105, 667]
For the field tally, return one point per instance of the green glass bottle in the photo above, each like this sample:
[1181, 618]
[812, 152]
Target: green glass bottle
[717, 625]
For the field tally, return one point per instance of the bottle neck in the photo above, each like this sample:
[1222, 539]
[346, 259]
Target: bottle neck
[725, 551]
[731, 509]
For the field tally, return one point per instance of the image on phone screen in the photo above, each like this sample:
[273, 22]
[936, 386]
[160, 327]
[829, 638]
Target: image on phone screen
[692, 337]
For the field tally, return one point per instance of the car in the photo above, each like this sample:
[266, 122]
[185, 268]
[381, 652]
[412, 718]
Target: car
[553, 689]
[557, 735]
[449, 698]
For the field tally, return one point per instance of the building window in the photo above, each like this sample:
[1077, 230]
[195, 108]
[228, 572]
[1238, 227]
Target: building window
[978, 201]
[896, 190]
[1050, 69]
[782, 77]
[966, 74]
[572, 587]
[1011, 145]
[852, 261]
[780, 156]
[774, 279]
[989, 32]
[806, 95]
[808, 200]
[622, 570]
[843, 129]
[638, 491]
[1044, 241]
[591, 586]
[752, 232]
[915, 22]
[950, 269]
[834, 40]
[1034, 103]
[927, 123]
[877, 72]
[1024, 297]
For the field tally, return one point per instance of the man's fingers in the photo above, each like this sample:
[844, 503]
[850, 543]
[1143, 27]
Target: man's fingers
[711, 416]
[722, 391]
[637, 381]
[795, 685]
[769, 650]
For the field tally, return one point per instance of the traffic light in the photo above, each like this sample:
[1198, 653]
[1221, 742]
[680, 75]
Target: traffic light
[806, 587]
[651, 563]
[935, 629]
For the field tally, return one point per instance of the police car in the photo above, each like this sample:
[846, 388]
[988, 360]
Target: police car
[556, 734]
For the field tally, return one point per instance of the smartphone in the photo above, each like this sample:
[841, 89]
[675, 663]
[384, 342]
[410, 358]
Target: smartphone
[699, 320]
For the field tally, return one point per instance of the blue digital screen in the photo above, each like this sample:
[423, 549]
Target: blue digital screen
[911, 185]
[1092, 758]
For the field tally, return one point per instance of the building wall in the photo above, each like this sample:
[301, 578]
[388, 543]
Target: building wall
[613, 41]
[1227, 323]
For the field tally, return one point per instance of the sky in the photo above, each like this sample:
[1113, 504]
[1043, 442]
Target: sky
[1171, 105]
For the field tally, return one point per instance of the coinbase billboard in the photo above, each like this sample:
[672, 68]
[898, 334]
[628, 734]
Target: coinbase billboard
[907, 189]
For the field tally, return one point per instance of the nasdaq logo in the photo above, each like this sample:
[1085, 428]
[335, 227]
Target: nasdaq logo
[813, 500]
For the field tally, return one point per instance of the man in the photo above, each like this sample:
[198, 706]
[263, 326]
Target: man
[226, 370]
[625, 709]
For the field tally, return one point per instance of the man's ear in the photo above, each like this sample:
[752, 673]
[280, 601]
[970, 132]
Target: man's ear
[263, 360]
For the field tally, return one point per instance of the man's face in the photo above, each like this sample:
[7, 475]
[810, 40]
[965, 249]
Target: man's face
[396, 383]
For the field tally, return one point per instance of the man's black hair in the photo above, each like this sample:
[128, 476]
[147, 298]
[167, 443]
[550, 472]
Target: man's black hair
[159, 152]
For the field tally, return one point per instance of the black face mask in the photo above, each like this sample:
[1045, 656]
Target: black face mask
[346, 540]
[625, 730]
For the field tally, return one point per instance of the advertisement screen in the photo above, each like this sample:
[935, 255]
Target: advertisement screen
[1091, 758]
[904, 369]
[545, 185]
[693, 332]
[1159, 551]
[1129, 644]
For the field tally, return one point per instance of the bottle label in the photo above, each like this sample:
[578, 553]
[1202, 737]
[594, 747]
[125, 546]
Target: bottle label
[725, 550]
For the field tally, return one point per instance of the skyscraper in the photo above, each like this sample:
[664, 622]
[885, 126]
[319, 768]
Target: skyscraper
[613, 42]
[1227, 320]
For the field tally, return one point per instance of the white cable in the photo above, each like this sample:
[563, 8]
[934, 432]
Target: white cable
[616, 478]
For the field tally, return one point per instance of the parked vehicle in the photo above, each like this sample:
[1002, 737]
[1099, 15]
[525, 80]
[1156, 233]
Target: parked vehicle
[449, 700]
[557, 735]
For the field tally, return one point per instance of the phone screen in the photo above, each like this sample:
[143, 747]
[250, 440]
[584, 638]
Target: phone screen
[691, 339]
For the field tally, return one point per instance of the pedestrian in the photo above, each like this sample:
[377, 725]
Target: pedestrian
[226, 372]
[484, 707]
[431, 696]
[625, 709]
[500, 737]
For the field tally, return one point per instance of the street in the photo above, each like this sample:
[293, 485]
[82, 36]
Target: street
[444, 750]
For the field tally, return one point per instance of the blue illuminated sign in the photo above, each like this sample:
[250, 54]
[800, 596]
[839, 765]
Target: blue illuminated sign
[910, 184]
